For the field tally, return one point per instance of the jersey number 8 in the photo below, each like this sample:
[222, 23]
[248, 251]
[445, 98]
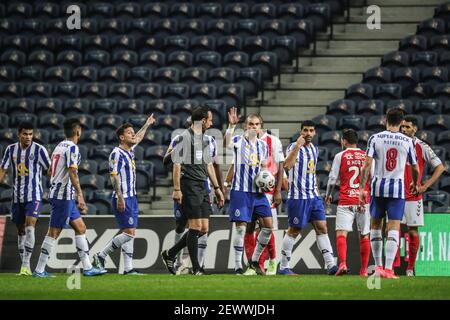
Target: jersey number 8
[391, 159]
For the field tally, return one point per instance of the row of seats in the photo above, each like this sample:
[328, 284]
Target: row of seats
[41, 60]
[107, 113]
[400, 59]
[371, 107]
[233, 94]
[180, 10]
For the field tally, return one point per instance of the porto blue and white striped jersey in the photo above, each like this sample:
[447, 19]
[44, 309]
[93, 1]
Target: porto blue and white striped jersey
[66, 155]
[121, 162]
[390, 151]
[27, 166]
[247, 159]
[302, 176]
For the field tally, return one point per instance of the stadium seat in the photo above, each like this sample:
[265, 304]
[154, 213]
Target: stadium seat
[435, 199]
[38, 90]
[108, 122]
[145, 174]
[251, 79]
[367, 108]
[41, 58]
[218, 109]
[285, 48]
[152, 59]
[16, 119]
[85, 74]
[233, 94]
[183, 108]
[176, 91]
[323, 154]
[443, 139]
[341, 107]
[219, 27]
[388, 91]
[236, 11]
[376, 123]
[191, 28]
[377, 75]
[444, 184]
[208, 60]
[424, 59]
[413, 43]
[127, 10]
[227, 44]
[30, 73]
[127, 108]
[256, 44]
[124, 58]
[194, 75]
[395, 59]
[175, 43]
[167, 123]
[56, 136]
[7, 74]
[291, 11]
[359, 91]
[156, 154]
[406, 105]
[69, 42]
[46, 10]
[139, 74]
[434, 75]
[323, 167]
[180, 59]
[442, 92]
[88, 167]
[155, 10]
[96, 42]
[4, 119]
[324, 123]
[102, 200]
[70, 58]
[245, 27]
[100, 107]
[151, 138]
[355, 122]
[272, 28]
[202, 92]
[438, 123]
[93, 138]
[331, 139]
[202, 43]
[427, 136]
[74, 107]
[148, 91]
[166, 75]
[45, 106]
[101, 153]
[431, 27]
[236, 60]
[263, 11]
[121, 91]
[221, 76]
[363, 138]
[428, 107]
[158, 107]
[440, 44]
[137, 120]
[21, 105]
[41, 136]
[123, 42]
[182, 10]
[267, 62]
[11, 90]
[320, 15]
[407, 77]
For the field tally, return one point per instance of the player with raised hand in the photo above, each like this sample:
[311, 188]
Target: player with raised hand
[304, 204]
[27, 159]
[125, 205]
[346, 167]
[414, 216]
[65, 188]
[390, 150]
[250, 156]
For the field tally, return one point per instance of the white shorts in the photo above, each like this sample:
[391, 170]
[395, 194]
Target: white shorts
[345, 216]
[413, 216]
[274, 211]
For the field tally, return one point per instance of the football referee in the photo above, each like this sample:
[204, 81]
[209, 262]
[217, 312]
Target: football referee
[192, 165]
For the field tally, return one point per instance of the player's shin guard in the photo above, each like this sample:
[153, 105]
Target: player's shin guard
[238, 244]
[324, 245]
[46, 250]
[192, 244]
[272, 248]
[202, 243]
[376, 244]
[341, 245]
[115, 243]
[391, 248]
[364, 250]
[28, 246]
[127, 254]
[82, 246]
[261, 242]
[414, 242]
[21, 246]
[249, 244]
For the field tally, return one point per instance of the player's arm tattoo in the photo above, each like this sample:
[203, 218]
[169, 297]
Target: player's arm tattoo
[141, 133]
[116, 185]
[73, 174]
[365, 171]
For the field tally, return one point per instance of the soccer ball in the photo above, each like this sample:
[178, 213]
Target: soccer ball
[265, 180]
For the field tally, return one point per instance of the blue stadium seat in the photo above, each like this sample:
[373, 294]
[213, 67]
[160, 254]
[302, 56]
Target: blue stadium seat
[355, 122]
[167, 123]
[431, 27]
[112, 27]
[440, 44]
[320, 15]
[324, 123]
[139, 74]
[88, 167]
[102, 201]
[443, 139]
[30, 73]
[228, 44]
[175, 43]
[182, 10]
[209, 10]
[51, 121]
[251, 79]
[285, 47]
[388, 91]
[97, 58]
[331, 139]
[43, 42]
[166, 75]
[413, 43]
[406, 105]
[127, 10]
[103, 106]
[93, 138]
[70, 58]
[158, 107]
[322, 154]
[245, 27]
[96, 42]
[148, 91]
[438, 123]
[369, 108]
[442, 92]
[8, 136]
[255, 44]
[263, 11]
[358, 92]
[74, 107]
[202, 92]
[208, 59]
[176, 91]
[219, 27]
[19, 10]
[7, 74]
[14, 58]
[57, 74]
[376, 123]
[428, 107]
[70, 42]
[156, 154]
[101, 153]
[395, 59]
[427, 136]
[153, 59]
[424, 59]
[130, 107]
[121, 91]
[236, 11]
[155, 10]
[87, 121]
[377, 75]
[46, 10]
[45, 106]
[151, 138]
[267, 62]
[202, 43]
[191, 28]
[233, 94]
[11, 90]
[434, 75]
[85, 74]
[38, 90]
[363, 138]
[21, 105]
[323, 167]
[194, 75]
[183, 108]
[435, 199]
[218, 109]
[341, 107]
[291, 11]
[124, 58]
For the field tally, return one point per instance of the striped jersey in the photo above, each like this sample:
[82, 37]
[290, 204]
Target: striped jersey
[27, 165]
[390, 151]
[66, 155]
[425, 155]
[121, 162]
[247, 159]
[302, 176]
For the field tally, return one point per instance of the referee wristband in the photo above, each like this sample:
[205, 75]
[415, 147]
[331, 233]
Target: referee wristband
[176, 190]
[215, 188]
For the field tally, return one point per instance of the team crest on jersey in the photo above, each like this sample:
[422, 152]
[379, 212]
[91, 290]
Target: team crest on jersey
[74, 157]
[237, 213]
[130, 220]
[295, 221]
[31, 157]
[178, 213]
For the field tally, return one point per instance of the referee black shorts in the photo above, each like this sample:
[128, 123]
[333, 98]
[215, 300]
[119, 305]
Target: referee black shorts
[195, 202]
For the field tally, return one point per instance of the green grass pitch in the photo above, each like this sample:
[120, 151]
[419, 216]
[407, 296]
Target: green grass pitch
[222, 287]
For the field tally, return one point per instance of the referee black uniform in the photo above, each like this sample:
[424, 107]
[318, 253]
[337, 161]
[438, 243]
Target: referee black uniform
[192, 152]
